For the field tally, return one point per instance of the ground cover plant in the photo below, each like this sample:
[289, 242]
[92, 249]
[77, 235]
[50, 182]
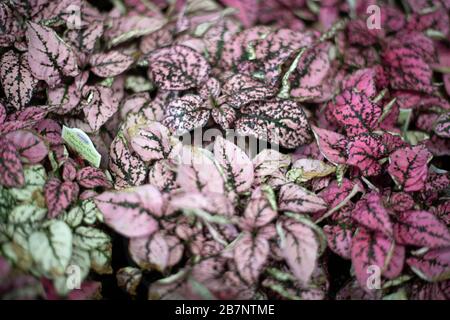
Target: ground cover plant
[280, 149]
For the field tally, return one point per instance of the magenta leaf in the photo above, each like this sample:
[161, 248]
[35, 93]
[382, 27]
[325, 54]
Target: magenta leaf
[91, 177]
[370, 212]
[178, 68]
[31, 147]
[407, 70]
[59, 195]
[442, 126]
[369, 249]
[356, 113]
[185, 114]
[339, 240]
[312, 69]
[99, 106]
[278, 121]
[401, 201]
[295, 198]
[331, 144]
[110, 64]
[16, 78]
[50, 130]
[49, 57]
[408, 167]
[132, 212]
[421, 228]
[236, 165]
[250, 254]
[363, 81]
[364, 151]
[396, 263]
[11, 170]
[433, 266]
[69, 170]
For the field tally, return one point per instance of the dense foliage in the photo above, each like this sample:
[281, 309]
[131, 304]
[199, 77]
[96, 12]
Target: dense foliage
[102, 179]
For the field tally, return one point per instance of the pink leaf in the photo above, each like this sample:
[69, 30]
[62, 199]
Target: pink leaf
[312, 69]
[356, 112]
[50, 130]
[49, 57]
[364, 150]
[31, 147]
[442, 126]
[339, 240]
[242, 89]
[163, 175]
[178, 68]
[331, 144]
[16, 78]
[294, 198]
[84, 39]
[247, 10]
[90, 177]
[433, 266]
[259, 211]
[11, 170]
[300, 249]
[250, 254]
[110, 64]
[421, 228]
[277, 121]
[59, 195]
[99, 106]
[132, 212]
[370, 212]
[236, 165]
[150, 252]
[224, 115]
[401, 201]
[363, 81]
[69, 170]
[369, 249]
[276, 49]
[407, 70]
[125, 165]
[408, 167]
[396, 263]
[198, 171]
[185, 114]
[152, 142]
[2, 113]
[66, 98]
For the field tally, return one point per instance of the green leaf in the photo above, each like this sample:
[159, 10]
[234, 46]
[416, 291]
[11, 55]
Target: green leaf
[51, 247]
[35, 177]
[89, 238]
[26, 213]
[101, 260]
